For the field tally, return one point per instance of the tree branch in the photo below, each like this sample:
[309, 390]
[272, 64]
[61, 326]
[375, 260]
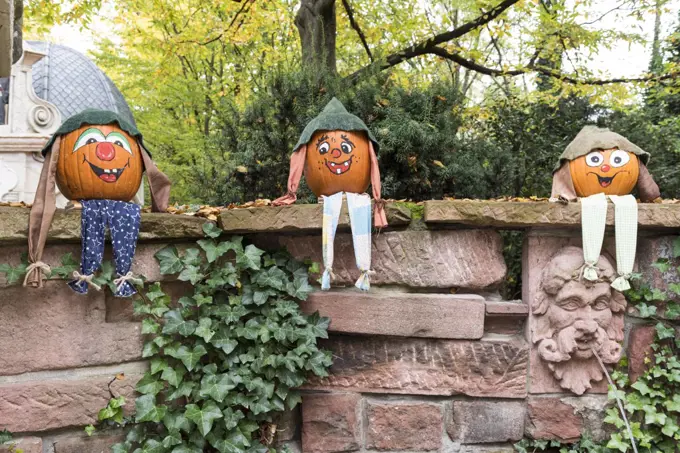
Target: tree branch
[469, 64]
[425, 47]
[356, 27]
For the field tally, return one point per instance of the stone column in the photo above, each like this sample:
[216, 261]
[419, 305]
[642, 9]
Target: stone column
[6, 36]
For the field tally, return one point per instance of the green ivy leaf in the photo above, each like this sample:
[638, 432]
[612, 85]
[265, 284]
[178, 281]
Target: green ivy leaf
[158, 364]
[176, 422]
[618, 443]
[673, 405]
[203, 330]
[217, 386]
[203, 416]
[149, 385]
[191, 257]
[235, 442]
[173, 376]
[153, 446]
[272, 277]
[662, 265]
[89, 430]
[646, 311]
[250, 258]
[68, 265]
[191, 274]
[13, 274]
[175, 323]
[214, 250]
[232, 417]
[147, 411]
[223, 340]
[299, 289]
[173, 438]
[664, 332]
[150, 326]
[191, 357]
[184, 390]
[169, 260]
[211, 230]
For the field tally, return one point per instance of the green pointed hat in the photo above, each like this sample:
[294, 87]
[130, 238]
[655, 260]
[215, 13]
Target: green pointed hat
[593, 137]
[93, 117]
[334, 117]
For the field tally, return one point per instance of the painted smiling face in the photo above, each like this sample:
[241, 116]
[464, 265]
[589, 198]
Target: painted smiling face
[99, 162]
[609, 171]
[338, 161]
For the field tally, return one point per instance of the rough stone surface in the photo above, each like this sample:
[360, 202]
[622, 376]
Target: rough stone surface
[401, 314]
[639, 348]
[550, 418]
[51, 404]
[296, 217]
[426, 367]
[26, 445]
[81, 443]
[288, 426]
[53, 328]
[477, 422]
[486, 449]
[330, 422]
[66, 226]
[506, 318]
[470, 259]
[404, 426]
[511, 214]
[648, 252]
[566, 418]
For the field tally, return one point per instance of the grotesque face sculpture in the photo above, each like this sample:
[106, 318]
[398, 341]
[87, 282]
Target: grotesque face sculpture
[99, 162]
[610, 171]
[338, 161]
[574, 319]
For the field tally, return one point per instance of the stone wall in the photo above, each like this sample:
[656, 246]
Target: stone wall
[431, 359]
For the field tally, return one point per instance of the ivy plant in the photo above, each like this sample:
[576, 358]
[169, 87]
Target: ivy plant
[652, 402]
[229, 355]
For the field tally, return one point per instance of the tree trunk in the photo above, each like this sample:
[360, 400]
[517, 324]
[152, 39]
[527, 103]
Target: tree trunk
[656, 62]
[17, 46]
[316, 25]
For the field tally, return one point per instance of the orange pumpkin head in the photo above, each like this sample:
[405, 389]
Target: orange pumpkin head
[99, 162]
[338, 161]
[610, 171]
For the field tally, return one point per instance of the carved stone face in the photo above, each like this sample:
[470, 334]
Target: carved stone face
[574, 319]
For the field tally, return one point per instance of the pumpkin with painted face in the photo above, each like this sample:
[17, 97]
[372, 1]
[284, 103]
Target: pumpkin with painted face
[99, 162]
[601, 161]
[611, 171]
[338, 161]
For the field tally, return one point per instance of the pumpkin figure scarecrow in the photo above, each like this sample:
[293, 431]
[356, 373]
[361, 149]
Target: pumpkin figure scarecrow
[96, 158]
[598, 164]
[337, 153]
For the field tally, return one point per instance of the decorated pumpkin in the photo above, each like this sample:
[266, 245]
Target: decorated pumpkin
[338, 161]
[601, 161]
[99, 162]
[97, 158]
[337, 154]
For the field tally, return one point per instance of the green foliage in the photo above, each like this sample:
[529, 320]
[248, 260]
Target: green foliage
[584, 445]
[229, 355]
[652, 402]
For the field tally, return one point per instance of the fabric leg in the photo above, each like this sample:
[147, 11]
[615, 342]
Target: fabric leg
[359, 206]
[331, 213]
[593, 220]
[124, 220]
[92, 224]
[626, 223]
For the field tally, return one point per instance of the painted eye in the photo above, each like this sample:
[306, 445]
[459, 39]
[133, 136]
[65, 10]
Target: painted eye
[619, 158]
[594, 159]
[346, 147]
[323, 148]
[88, 137]
[119, 139]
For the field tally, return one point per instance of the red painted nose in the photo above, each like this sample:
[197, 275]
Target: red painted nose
[605, 168]
[336, 153]
[105, 151]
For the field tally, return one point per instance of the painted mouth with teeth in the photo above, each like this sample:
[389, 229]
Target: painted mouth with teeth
[604, 181]
[107, 174]
[338, 168]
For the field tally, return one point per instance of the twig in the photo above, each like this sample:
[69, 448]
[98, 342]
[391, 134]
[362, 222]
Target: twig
[355, 26]
[618, 400]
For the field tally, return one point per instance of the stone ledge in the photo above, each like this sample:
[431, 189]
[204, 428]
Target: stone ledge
[516, 215]
[66, 226]
[401, 314]
[296, 218]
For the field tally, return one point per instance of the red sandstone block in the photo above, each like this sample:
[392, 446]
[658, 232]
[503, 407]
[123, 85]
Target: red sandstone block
[400, 314]
[639, 349]
[36, 406]
[479, 422]
[404, 426]
[54, 328]
[550, 418]
[100, 442]
[330, 422]
[26, 445]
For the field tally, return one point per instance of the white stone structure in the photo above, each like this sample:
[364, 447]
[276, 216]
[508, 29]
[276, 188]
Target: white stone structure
[30, 122]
